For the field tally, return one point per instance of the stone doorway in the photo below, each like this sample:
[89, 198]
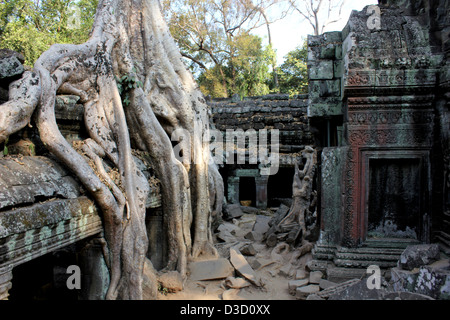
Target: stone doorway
[280, 186]
[247, 190]
[396, 195]
[394, 198]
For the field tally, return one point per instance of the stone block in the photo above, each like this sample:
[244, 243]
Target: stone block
[321, 70]
[338, 68]
[260, 263]
[242, 267]
[314, 296]
[315, 277]
[294, 284]
[433, 283]
[285, 270]
[248, 250]
[358, 291]
[253, 236]
[328, 52]
[229, 227]
[418, 255]
[338, 53]
[303, 292]
[10, 67]
[6, 53]
[248, 209]
[232, 211]
[230, 294]
[314, 40]
[261, 225]
[300, 274]
[403, 280]
[226, 236]
[326, 284]
[210, 269]
[332, 37]
[236, 283]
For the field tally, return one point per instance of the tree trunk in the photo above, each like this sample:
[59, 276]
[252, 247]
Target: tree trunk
[301, 194]
[129, 37]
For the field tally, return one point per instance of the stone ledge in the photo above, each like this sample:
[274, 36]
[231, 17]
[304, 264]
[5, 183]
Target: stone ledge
[28, 233]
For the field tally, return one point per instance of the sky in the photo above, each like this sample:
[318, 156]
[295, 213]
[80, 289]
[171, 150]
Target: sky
[289, 33]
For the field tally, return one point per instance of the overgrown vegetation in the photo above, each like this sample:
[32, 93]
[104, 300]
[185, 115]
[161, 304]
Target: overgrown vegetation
[214, 37]
[32, 26]
[126, 83]
[293, 72]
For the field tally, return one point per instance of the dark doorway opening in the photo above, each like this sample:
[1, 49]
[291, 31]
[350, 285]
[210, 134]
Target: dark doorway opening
[279, 186]
[395, 198]
[247, 190]
[44, 278]
[157, 235]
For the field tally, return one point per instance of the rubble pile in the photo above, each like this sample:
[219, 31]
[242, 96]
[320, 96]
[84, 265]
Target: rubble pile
[249, 265]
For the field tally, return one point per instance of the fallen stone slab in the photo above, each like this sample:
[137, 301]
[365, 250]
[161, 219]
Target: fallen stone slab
[404, 280]
[232, 211]
[300, 274]
[303, 292]
[242, 267]
[261, 225]
[253, 236]
[432, 280]
[210, 269]
[246, 221]
[231, 294]
[315, 277]
[225, 236]
[228, 227]
[248, 250]
[360, 291]
[294, 284]
[326, 284]
[326, 293]
[314, 296]
[433, 283]
[285, 270]
[236, 283]
[247, 209]
[405, 296]
[260, 263]
[272, 240]
[416, 256]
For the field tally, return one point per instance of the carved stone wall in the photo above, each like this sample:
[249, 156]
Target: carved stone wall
[394, 105]
[274, 111]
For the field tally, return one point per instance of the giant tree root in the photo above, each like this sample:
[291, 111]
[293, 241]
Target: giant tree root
[129, 37]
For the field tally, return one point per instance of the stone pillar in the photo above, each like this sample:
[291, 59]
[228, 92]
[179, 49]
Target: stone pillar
[157, 248]
[5, 282]
[233, 190]
[95, 275]
[261, 191]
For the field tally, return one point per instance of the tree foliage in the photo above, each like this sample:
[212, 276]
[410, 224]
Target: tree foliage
[293, 73]
[32, 26]
[214, 36]
[247, 72]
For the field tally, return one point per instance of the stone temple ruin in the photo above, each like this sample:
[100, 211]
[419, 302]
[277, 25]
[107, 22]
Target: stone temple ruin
[380, 95]
[363, 174]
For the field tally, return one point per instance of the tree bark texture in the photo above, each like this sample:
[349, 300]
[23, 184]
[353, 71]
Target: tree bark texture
[129, 37]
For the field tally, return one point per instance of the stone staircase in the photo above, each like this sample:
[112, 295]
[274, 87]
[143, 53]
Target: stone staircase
[341, 263]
